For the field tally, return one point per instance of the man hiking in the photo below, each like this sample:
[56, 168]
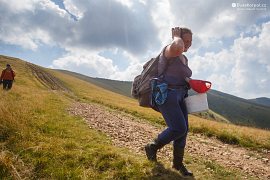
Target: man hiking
[7, 77]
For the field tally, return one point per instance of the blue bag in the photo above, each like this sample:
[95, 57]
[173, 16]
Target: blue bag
[159, 92]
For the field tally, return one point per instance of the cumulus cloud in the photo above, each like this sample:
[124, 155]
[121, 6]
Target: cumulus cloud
[88, 63]
[215, 18]
[94, 65]
[101, 24]
[242, 70]
[19, 6]
[30, 25]
[107, 25]
[71, 8]
[252, 67]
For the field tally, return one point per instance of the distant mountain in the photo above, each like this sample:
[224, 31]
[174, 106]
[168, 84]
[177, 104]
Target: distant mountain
[234, 109]
[262, 101]
[238, 110]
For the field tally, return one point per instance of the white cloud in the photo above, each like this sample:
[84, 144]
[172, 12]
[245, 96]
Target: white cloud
[133, 69]
[92, 64]
[243, 70]
[88, 63]
[127, 3]
[128, 74]
[214, 19]
[73, 9]
[163, 19]
[20, 25]
[252, 64]
[27, 40]
[19, 6]
[49, 6]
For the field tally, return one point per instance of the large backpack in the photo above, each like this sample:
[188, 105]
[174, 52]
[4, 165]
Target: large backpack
[141, 86]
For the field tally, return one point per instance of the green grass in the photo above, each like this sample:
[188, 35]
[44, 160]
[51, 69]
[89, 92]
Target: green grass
[243, 136]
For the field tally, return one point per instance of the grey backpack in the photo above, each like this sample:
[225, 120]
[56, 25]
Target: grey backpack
[141, 86]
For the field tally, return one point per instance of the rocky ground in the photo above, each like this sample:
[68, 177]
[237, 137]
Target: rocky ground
[133, 133]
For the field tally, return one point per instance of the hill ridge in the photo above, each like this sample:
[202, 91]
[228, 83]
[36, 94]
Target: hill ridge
[264, 101]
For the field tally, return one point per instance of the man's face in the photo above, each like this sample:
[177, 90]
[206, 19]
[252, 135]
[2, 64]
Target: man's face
[187, 39]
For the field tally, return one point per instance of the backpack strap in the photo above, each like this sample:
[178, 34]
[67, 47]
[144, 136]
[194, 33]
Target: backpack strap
[186, 59]
[168, 63]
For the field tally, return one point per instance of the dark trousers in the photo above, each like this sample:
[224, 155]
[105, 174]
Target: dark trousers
[175, 114]
[7, 84]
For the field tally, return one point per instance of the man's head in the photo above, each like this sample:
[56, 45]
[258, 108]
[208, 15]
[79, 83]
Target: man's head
[8, 66]
[186, 35]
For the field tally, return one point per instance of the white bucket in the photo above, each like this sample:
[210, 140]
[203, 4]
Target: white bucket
[197, 103]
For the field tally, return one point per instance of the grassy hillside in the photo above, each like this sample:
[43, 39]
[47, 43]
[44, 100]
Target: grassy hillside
[121, 87]
[238, 110]
[40, 140]
[224, 107]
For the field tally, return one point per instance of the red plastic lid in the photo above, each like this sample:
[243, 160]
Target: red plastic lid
[200, 86]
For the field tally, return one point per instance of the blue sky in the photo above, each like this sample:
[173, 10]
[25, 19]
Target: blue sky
[114, 38]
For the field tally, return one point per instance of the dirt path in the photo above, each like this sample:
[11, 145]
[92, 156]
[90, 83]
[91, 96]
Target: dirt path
[127, 131]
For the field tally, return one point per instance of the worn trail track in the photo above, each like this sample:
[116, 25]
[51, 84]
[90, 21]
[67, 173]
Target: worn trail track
[45, 78]
[130, 132]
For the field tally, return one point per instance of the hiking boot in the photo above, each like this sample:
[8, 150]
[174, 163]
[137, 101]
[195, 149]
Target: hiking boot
[178, 155]
[152, 148]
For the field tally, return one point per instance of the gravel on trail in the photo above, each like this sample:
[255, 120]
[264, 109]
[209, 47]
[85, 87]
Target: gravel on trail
[133, 133]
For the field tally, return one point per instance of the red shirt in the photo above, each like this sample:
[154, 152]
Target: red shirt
[7, 74]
